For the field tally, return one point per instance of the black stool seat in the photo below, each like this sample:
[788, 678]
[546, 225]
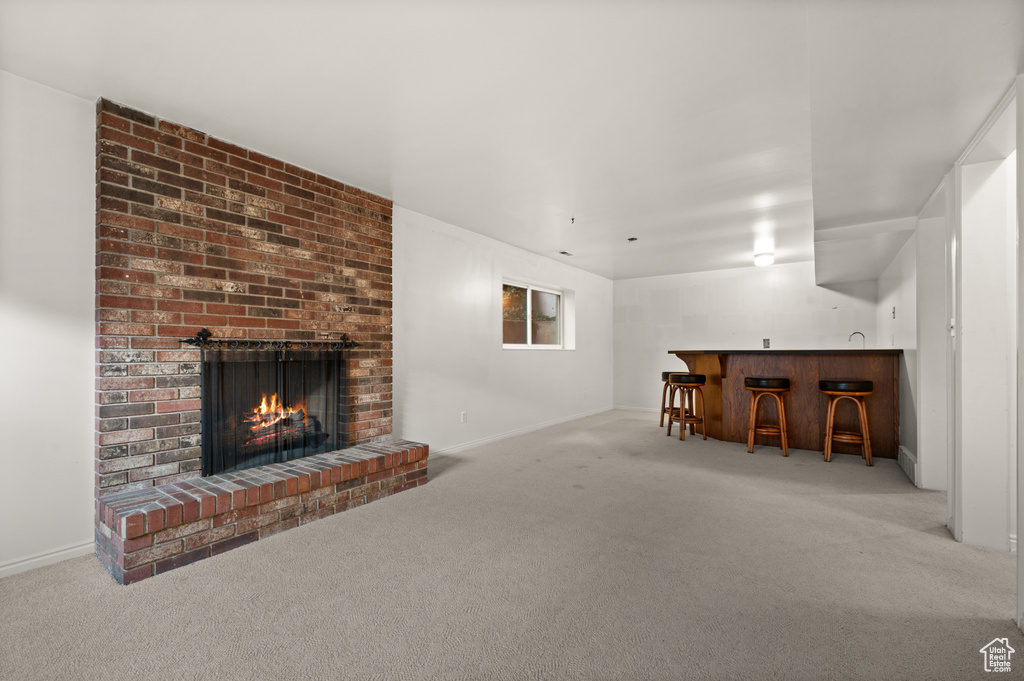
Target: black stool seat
[758, 383]
[666, 374]
[842, 385]
[687, 379]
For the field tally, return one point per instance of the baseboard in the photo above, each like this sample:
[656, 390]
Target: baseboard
[512, 433]
[908, 462]
[46, 558]
[652, 410]
[1013, 543]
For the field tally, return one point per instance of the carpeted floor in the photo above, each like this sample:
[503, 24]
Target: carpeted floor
[596, 549]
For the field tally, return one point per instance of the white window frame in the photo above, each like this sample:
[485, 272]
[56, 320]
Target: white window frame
[529, 345]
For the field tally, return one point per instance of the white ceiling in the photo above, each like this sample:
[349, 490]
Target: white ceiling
[706, 129]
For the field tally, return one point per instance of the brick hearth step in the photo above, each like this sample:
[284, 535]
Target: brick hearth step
[142, 533]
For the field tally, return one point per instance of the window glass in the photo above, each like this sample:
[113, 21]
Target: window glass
[513, 315]
[544, 318]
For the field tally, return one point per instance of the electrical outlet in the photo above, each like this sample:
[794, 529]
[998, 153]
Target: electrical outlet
[463, 417]
[767, 342]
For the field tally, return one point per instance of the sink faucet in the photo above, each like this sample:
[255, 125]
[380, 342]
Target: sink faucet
[863, 340]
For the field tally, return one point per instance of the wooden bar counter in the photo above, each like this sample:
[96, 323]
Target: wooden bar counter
[728, 403]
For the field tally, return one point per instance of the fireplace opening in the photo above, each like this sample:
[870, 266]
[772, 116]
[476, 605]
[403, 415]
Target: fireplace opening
[263, 406]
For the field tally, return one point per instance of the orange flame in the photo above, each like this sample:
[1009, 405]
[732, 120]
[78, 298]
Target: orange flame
[266, 415]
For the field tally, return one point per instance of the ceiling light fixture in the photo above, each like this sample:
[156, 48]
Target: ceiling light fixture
[764, 259]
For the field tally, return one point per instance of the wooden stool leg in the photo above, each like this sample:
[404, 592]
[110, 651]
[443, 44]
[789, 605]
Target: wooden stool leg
[671, 406]
[703, 419]
[751, 420]
[682, 412]
[828, 427]
[664, 391]
[862, 411]
[691, 399]
[782, 424]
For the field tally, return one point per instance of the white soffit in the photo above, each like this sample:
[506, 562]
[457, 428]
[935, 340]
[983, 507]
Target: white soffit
[858, 252]
[898, 89]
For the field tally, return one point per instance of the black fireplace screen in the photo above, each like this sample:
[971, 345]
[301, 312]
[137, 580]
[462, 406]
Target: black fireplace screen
[270, 406]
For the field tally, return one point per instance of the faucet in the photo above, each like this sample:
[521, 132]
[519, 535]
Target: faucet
[863, 340]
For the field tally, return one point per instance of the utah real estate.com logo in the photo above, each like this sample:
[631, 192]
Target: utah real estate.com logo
[997, 654]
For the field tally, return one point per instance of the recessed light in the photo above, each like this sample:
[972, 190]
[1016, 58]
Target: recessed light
[764, 259]
[564, 253]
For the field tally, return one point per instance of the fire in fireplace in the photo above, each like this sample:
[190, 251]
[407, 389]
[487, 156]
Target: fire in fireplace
[270, 401]
[268, 424]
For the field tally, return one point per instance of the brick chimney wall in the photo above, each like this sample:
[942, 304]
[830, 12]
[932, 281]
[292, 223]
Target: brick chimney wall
[194, 232]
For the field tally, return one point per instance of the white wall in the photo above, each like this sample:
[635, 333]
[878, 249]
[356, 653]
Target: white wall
[932, 341]
[729, 310]
[987, 353]
[897, 328]
[447, 339]
[47, 241]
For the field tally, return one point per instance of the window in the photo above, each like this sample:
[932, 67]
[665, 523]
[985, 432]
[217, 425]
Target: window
[531, 317]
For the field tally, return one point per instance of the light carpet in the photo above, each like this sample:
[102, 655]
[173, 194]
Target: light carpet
[595, 549]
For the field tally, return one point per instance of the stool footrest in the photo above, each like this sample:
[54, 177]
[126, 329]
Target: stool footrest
[844, 436]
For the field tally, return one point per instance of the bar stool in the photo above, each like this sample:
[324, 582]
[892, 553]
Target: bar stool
[687, 384]
[764, 387]
[664, 394]
[855, 391]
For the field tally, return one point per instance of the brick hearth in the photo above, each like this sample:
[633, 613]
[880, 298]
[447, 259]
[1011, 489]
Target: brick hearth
[145, 532]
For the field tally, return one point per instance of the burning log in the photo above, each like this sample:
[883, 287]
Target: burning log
[272, 426]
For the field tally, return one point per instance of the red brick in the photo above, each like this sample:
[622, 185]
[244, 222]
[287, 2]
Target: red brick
[153, 554]
[137, 575]
[235, 516]
[278, 504]
[133, 526]
[256, 522]
[151, 395]
[155, 520]
[111, 329]
[125, 436]
[124, 383]
[194, 541]
[180, 531]
[181, 559]
[207, 506]
[174, 515]
[190, 511]
[273, 529]
[177, 405]
[120, 137]
[179, 306]
[234, 542]
[183, 132]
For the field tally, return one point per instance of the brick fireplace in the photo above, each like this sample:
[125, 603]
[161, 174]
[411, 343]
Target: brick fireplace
[193, 232]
